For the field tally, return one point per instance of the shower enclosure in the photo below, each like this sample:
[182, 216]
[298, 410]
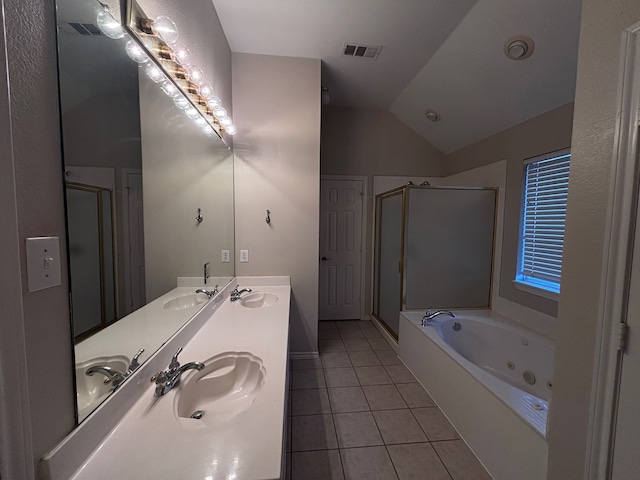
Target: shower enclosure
[433, 249]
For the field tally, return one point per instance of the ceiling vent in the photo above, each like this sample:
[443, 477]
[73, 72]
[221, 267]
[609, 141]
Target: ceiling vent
[83, 29]
[361, 51]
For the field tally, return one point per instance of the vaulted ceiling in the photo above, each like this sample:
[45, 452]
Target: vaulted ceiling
[436, 54]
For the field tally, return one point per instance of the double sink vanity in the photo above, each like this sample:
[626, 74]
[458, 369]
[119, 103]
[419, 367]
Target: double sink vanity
[209, 404]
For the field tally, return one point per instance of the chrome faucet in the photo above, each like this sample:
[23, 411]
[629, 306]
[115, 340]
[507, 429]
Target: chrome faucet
[235, 294]
[113, 376]
[134, 363]
[431, 314]
[208, 293]
[166, 380]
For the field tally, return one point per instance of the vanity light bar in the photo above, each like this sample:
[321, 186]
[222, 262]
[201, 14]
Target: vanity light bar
[153, 45]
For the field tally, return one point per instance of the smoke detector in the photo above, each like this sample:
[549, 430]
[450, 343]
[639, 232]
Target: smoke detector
[432, 115]
[519, 47]
[362, 51]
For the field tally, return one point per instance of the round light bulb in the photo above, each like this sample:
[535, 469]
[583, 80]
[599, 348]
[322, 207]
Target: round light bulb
[154, 73]
[192, 113]
[181, 102]
[219, 112]
[170, 89]
[195, 75]
[208, 130]
[231, 129]
[135, 52]
[226, 122]
[213, 102]
[205, 90]
[109, 25]
[201, 122]
[181, 55]
[166, 29]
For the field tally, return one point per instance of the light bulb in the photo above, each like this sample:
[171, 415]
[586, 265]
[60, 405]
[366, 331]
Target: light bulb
[109, 25]
[231, 129]
[195, 75]
[208, 130]
[219, 112]
[181, 55]
[181, 102]
[166, 29]
[213, 102]
[201, 122]
[192, 113]
[154, 73]
[135, 52]
[170, 89]
[205, 90]
[226, 122]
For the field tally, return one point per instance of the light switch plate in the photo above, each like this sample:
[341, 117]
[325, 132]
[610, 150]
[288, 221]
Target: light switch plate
[244, 256]
[43, 262]
[226, 256]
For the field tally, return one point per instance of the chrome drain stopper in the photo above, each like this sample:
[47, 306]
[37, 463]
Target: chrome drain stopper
[198, 414]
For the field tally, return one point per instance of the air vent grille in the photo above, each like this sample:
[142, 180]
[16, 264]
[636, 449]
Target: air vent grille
[361, 51]
[84, 29]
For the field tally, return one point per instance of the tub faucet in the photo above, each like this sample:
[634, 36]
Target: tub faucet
[208, 293]
[235, 294]
[113, 376]
[166, 380]
[431, 314]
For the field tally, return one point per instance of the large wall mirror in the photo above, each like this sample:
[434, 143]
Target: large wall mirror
[149, 201]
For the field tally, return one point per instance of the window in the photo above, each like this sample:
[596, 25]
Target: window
[543, 218]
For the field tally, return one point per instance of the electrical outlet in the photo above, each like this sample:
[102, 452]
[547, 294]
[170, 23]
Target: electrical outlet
[244, 256]
[226, 256]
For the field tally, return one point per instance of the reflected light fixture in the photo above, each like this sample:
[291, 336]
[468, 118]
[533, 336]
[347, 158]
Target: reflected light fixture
[152, 43]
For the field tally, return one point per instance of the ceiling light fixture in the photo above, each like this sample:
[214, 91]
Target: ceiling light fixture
[432, 115]
[519, 47]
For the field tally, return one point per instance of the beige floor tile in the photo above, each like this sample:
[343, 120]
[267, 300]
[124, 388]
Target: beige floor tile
[347, 324]
[373, 375]
[388, 357]
[331, 345]
[415, 395]
[335, 360]
[348, 399]
[356, 345]
[378, 344]
[312, 432]
[372, 334]
[400, 374]
[305, 363]
[398, 426]
[310, 402]
[319, 465]
[460, 461]
[356, 430]
[351, 333]
[435, 424]
[417, 461]
[311, 378]
[327, 330]
[383, 397]
[370, 463]
[341, 377]
[364, 359]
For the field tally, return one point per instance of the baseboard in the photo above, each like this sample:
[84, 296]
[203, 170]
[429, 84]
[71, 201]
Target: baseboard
[303, 355]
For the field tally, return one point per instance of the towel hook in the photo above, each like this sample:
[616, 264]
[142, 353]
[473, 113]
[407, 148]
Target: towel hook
[268, 219]
[199, 218]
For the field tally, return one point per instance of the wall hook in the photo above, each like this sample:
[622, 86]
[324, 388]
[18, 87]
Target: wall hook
[268, 219]
[199, 218]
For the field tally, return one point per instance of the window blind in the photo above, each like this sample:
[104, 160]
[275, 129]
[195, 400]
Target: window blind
[544, 213]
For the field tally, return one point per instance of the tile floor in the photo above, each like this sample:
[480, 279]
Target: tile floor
[357, 413]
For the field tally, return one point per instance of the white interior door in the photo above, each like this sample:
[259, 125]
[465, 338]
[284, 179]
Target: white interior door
[341, 204]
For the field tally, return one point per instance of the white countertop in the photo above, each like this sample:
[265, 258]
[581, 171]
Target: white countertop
[150, 442]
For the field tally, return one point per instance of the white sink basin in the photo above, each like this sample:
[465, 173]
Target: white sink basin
[187, 300]
[91, 390]
[228, 385]
[258, 300]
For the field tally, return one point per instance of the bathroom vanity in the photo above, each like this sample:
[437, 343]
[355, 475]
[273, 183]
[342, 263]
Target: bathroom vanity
[225, 420]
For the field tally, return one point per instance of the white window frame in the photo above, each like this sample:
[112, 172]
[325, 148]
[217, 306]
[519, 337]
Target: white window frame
[537, 286]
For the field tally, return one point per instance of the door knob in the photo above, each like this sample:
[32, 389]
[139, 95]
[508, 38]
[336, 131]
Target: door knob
[324, 259]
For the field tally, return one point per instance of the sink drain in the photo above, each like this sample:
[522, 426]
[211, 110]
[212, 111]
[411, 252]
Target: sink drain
[198, 414]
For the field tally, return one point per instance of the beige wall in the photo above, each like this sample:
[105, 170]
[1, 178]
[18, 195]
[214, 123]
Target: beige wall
[369, 142]
[276, 106]
[542, 134]
[593, 143]
[38, 323]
